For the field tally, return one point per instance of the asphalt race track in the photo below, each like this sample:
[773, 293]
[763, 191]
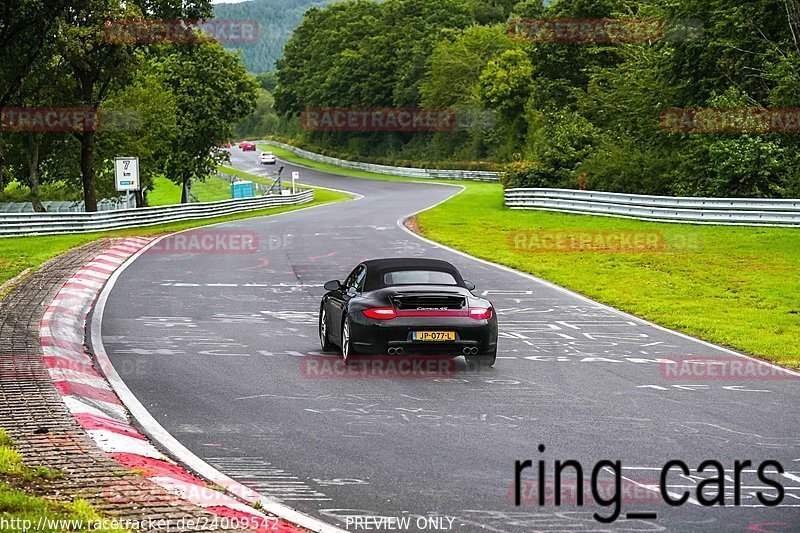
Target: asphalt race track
[214, 346]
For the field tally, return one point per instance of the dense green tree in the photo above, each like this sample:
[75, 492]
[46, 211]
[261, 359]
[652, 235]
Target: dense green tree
[455, 66]
[364, 54]
[569, 112]
[27, 29]
[141, 119]
[98, 63]
[262, 121]
[504, 86]
[268, 80]
[211, 91]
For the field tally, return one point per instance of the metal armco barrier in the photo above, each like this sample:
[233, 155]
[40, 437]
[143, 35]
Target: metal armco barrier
[722, 211]
[13, 224]
[406, 172]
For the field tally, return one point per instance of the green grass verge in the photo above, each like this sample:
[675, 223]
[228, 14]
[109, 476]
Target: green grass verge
[167, 192]
[18, 507]
[734, 286]
[20, 253]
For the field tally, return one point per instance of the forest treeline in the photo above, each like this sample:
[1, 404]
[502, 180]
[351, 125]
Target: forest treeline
[75, 94]
[568, 110]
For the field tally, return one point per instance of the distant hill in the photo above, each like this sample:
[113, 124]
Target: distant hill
[276, 19]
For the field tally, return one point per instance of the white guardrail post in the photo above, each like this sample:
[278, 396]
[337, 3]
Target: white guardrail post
[722, 211]
[15, 224]
[406, 172]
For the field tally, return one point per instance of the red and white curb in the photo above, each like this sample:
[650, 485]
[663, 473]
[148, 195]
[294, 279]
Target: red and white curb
[97, 408]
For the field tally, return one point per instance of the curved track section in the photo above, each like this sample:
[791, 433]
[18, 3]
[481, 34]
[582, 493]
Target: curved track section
[214, 344]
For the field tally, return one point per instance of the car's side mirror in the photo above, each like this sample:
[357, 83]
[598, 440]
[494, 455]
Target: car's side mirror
[333, 285]
[469, 285]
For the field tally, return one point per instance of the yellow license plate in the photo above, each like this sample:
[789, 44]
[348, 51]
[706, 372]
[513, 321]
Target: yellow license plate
[434, 336]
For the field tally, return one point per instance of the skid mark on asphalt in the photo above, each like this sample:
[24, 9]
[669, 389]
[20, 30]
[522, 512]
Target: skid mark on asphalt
[262, 477]
[295, 317]
[179, 336]
[534, 329]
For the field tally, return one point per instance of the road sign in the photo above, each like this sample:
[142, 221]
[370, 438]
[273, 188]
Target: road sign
[126, 173]
[295, 177]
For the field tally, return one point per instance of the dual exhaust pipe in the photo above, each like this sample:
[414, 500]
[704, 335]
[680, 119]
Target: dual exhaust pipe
[468, 350]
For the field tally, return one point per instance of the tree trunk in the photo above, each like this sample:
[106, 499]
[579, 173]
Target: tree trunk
[87, 170]
[3, 175]
[33, 145]
[3, 182]
[87, 138]
[185, 191]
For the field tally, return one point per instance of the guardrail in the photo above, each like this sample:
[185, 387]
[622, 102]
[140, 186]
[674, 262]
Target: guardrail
[14, 224]
[722, 211]
[406, 172]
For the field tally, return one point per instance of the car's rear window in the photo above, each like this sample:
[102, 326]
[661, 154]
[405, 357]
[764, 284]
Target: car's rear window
[418, 277]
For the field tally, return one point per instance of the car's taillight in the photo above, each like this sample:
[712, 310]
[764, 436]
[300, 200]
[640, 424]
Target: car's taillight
[380, 313]
[480, 313]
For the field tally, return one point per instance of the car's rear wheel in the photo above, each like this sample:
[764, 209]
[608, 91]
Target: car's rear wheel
[482, 360]
[347, 343]
[324, 340]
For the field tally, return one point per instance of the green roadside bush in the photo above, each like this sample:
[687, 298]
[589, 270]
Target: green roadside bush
[58, 191]
[389, 161]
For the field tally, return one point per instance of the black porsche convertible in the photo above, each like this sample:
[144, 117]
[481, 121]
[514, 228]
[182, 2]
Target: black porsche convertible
[407, 307]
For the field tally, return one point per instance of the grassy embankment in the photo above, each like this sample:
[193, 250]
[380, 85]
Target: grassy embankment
[734, 286]
[167, 192]
[20, 509]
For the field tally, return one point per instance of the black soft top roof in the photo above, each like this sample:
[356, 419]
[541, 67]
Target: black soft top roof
[376, 268]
